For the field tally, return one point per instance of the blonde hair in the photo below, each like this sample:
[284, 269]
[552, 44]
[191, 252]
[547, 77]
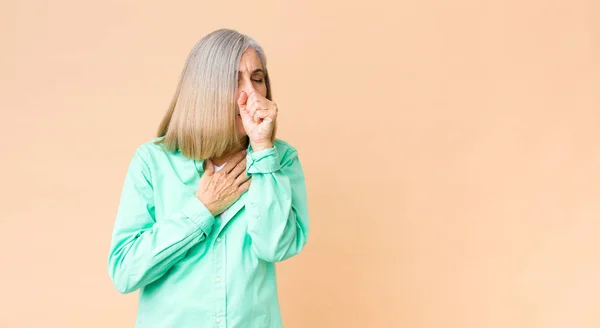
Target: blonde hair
[201, 119]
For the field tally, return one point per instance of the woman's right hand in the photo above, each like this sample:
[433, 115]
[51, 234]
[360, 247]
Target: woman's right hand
[218, 190]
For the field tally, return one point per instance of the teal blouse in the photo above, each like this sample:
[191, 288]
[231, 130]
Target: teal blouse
[193, 269]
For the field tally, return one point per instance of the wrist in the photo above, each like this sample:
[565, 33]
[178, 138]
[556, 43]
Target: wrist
[206, 204]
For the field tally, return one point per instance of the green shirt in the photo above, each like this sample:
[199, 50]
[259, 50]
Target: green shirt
[193, 269]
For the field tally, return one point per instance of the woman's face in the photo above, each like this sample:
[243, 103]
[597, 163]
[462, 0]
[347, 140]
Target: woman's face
[250, 76]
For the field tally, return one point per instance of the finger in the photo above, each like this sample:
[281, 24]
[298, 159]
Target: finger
[242, 102]
[232, 162]
[252, 106]
[242, 178]
[239, 168]
[263, 103]
[244, 113]
[242, 99]
[272, 113]
[261, 114]
[245, 186]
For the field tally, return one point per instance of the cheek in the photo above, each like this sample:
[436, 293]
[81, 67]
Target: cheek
[240, 125]
[263, 90]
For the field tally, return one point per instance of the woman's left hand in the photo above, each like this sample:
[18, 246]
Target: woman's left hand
[258, 116]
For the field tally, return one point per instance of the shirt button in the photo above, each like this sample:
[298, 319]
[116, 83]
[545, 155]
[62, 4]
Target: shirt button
[218, 319]
[218, 240]
[218, 279]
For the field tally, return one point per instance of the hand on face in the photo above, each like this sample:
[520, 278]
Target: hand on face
[258, 116]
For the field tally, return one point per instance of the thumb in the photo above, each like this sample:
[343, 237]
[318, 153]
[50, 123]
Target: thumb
[210, 169]
[242, 100]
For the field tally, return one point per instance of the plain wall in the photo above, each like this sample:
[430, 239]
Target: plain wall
[451, 151]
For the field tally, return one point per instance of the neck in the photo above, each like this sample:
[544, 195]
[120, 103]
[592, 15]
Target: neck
[218, 161]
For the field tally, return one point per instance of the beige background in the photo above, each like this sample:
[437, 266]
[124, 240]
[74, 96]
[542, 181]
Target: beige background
[451, 150]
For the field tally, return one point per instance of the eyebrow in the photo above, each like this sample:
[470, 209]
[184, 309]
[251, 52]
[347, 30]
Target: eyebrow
[254, 71]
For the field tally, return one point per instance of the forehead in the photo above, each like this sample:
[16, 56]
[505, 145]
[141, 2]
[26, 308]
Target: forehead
[250, 61]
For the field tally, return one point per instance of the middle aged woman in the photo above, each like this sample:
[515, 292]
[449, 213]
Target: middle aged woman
[214, 201]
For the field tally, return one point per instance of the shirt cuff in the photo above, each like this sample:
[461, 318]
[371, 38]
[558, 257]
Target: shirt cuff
[195, 210]
[263, 161]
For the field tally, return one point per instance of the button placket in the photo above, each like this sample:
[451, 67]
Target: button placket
[220, 261]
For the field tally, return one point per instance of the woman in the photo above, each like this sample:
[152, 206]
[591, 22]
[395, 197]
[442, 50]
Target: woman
[210, 205]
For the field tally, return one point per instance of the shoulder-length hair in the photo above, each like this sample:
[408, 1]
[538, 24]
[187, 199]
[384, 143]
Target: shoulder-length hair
[201, 119]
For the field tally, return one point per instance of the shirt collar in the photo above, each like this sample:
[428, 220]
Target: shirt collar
[199, 163]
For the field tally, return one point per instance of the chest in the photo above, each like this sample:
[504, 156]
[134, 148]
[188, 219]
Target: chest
[175, 184]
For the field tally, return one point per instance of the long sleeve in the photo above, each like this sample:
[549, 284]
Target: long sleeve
[278, 224]
[142, 249]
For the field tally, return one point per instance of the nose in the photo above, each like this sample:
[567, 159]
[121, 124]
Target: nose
[246, 85]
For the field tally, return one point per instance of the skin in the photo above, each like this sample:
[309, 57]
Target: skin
[256, 119]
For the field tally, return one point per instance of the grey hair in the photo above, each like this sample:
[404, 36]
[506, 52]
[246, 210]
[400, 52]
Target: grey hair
[201, 118]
